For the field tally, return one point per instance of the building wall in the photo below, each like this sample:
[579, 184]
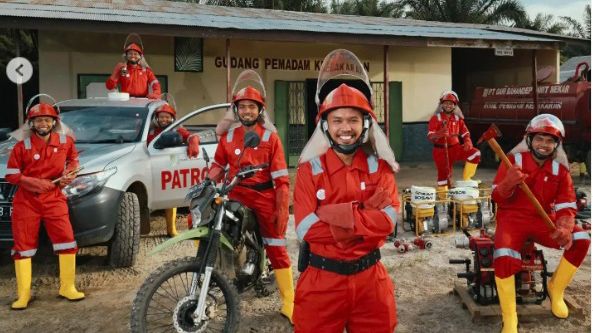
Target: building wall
[424, 72]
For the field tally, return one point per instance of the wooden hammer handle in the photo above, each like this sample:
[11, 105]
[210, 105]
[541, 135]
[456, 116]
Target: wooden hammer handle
[540, 210]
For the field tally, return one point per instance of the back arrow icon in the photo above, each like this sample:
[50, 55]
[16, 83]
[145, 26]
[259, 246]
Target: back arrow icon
[18, 70]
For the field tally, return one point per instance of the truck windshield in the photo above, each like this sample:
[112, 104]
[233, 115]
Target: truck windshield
[103, 124]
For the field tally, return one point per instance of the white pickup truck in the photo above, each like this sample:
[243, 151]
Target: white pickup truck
[123, 178]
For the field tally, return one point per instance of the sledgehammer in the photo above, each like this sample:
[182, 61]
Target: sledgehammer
[490, 136]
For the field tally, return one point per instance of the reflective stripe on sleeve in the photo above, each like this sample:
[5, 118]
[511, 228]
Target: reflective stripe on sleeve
[306, 224]
[563, 205]
[581, 235]
[274, 241]
[391, 213]
[279, 173]
[12, 171]
[519, 159]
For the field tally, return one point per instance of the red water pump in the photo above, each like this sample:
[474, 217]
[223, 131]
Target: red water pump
[530, 282]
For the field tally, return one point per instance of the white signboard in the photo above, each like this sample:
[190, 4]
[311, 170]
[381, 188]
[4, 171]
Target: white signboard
[503, 51]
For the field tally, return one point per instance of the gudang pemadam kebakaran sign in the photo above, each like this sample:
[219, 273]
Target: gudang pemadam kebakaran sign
[283, 64]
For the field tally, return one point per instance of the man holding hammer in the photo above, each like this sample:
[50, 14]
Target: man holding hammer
[541, 163]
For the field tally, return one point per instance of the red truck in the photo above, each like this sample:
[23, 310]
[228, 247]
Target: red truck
[511, 108]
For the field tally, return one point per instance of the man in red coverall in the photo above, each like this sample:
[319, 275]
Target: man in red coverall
[266, 193]
[541, 162]
[345, 205]
[444, 129]
[163, 117]
[44, 155]
[134, 76]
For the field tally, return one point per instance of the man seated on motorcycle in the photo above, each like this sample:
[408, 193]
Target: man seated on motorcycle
[266, 193]
[163, 117]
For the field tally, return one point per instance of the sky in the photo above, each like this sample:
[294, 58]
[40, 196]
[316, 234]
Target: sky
[571, 8]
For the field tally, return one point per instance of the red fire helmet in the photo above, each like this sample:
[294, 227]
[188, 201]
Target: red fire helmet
[345, 96]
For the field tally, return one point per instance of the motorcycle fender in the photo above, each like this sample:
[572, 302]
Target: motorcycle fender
[198, 233]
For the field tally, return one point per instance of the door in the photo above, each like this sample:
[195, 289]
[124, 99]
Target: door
[173, 173]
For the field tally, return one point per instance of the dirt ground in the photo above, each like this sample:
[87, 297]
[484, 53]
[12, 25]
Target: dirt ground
[424, 280]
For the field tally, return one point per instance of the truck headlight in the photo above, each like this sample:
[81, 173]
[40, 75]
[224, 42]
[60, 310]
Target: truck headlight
[86, 184]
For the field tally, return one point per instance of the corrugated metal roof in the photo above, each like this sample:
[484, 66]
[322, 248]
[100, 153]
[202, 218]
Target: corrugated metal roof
[248, 19]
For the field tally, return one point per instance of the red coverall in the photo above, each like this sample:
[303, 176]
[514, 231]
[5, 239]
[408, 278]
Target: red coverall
[32, 157]
[263, 202]
[326, 301]
[457, 128]
[517, 219]
[156, 131]
[139, 82]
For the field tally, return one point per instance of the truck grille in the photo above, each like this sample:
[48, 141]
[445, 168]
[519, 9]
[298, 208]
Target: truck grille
[7, 191]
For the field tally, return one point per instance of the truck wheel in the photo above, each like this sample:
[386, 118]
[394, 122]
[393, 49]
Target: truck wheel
[125, 243]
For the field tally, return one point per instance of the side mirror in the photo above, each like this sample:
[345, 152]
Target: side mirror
[251, 140]
[4, 133]
[169, 139]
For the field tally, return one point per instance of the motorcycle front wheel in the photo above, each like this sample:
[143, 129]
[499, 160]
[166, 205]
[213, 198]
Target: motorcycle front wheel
[163, 303]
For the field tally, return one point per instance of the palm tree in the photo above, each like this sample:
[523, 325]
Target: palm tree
[367, 8]
[542, 22]
[578, 29]
[466, 11]
[316, 6]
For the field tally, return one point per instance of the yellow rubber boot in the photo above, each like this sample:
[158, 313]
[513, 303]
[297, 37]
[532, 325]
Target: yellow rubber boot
[561, 278]
[286, 288]
[508, 305]
[22, 267]
[67, 277]
[469, 170]
[171, 218]
[442, 192]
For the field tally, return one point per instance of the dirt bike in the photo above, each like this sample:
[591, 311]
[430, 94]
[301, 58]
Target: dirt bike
[200, 294]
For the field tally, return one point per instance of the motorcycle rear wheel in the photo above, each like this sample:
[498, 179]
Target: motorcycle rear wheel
[162, 302]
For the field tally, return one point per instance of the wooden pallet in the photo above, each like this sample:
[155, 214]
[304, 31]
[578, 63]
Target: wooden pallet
[525, 311]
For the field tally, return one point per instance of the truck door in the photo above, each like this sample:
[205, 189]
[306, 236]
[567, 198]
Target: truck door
[173, 172]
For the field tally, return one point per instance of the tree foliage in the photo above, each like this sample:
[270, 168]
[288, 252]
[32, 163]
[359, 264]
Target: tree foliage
[367, 8]
[466, 11]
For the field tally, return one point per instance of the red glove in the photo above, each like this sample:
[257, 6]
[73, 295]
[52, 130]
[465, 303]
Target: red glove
[513, 178]
[193, 146]
[340, 215]
[379, 200]
[281, 210]
[117, 71]
[443, 132]
[36, 185]
[153, 96]
[345, 238]
[467, 145]
[216, 173]
[563, 233]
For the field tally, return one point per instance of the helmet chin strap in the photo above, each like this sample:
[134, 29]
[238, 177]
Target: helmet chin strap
[351, 148]
[535, 153]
